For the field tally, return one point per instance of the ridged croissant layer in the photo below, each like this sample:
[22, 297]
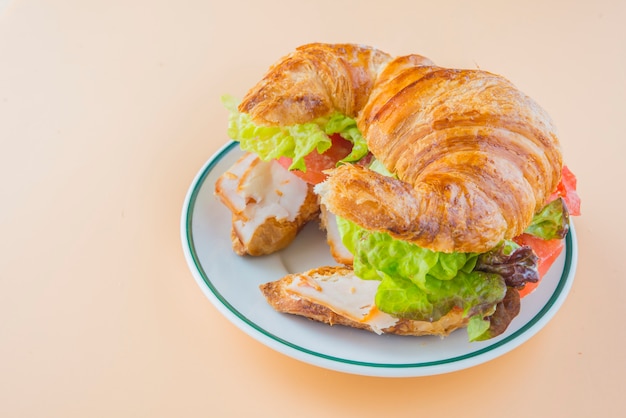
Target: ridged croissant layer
[474, 156]
[314, 81]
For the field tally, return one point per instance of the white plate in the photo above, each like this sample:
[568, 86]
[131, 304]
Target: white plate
[231, 283]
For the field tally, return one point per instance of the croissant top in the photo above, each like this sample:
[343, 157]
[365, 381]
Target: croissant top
[475, 158]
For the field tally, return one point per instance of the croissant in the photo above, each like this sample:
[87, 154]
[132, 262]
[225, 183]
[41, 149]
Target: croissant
[474, 157]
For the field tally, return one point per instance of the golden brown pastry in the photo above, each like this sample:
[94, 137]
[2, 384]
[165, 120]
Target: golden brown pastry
[314, 81]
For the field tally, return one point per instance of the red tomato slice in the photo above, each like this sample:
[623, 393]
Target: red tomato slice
[316, 163]
[567, 190]
[547, 251]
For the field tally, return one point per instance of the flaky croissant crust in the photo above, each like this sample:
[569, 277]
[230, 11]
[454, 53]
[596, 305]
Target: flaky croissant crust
[474, 156]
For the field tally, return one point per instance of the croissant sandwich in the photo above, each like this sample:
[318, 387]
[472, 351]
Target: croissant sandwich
[443, 191]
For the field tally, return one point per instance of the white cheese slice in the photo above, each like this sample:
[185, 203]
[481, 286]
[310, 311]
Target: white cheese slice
[346, 295]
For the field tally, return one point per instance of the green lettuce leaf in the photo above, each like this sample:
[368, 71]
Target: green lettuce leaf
[346, 127]
[420, 284]
[516, 265]
[380, 168]
[417, 283]
[552, 222]
[294, 141]
[474, 292]
[478, 328]
[482, 328]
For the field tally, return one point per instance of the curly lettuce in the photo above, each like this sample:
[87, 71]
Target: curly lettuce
[517, 264]
[484, 328]
[551, 222]
[420, 284]
[294, 141]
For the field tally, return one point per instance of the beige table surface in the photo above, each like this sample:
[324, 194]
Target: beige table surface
[109, 108]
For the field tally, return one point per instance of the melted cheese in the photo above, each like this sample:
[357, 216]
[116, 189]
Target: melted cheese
[346, 295]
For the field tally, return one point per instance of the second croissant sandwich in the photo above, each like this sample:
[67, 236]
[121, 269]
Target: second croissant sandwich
[435, 180]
